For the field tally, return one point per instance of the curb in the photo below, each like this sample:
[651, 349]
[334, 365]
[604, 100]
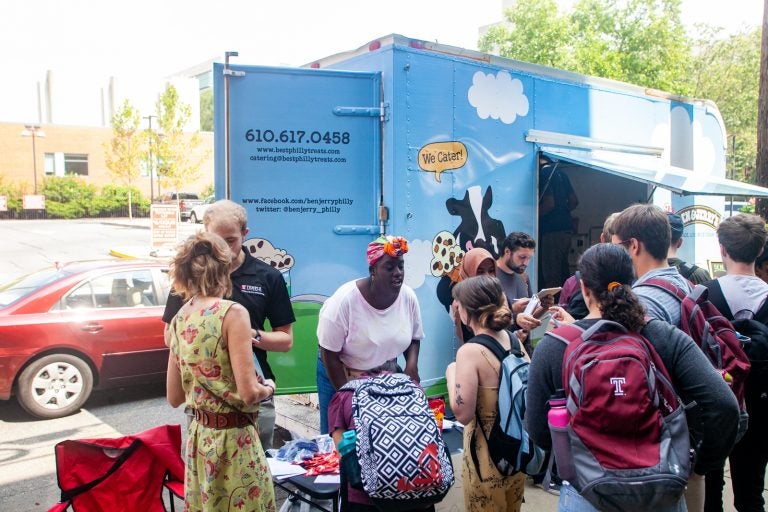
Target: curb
[118, 254]
[125, 224]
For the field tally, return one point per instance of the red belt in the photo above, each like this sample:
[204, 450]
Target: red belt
[222, 420]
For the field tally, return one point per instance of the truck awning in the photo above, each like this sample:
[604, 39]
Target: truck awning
[653, 171]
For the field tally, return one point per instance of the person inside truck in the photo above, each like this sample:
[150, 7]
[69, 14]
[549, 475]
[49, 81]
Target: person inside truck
[260, 289]
[556, 225]
[367, 322]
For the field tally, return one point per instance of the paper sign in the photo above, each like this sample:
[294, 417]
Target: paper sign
[165, 223]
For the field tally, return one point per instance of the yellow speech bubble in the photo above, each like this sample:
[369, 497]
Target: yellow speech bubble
[442, 156]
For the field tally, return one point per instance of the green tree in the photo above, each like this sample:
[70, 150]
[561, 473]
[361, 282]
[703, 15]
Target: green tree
[725, 71]
[125, 150]
[637, 41]
[175, 148]
[206, 110]
[534, 32]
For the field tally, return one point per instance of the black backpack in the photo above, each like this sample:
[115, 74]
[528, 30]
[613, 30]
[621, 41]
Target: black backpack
[754, 335]
[576, 307]
[687, 271]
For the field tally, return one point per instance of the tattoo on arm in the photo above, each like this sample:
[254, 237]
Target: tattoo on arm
[459, 400]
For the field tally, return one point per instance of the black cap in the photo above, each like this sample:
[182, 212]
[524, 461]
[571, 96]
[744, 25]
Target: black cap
[676, 223]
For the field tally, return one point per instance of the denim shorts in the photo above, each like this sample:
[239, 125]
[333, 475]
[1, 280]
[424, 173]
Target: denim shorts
[572, 501]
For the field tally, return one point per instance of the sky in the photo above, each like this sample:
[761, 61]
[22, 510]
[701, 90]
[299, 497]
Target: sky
[85, 42]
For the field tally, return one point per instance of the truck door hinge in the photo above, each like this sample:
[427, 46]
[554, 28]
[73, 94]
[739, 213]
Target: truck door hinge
[381, 112]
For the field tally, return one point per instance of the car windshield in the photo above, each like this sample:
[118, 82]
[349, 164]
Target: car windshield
[23, 286]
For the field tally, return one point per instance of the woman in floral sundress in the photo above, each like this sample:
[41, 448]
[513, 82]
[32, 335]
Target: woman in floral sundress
[211, 370]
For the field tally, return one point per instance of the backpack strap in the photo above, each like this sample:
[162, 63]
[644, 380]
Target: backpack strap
[567, 333]
[665, 285]
[491, 344]
[761, 315]
[500, 353]
[717, 298]
[570, 332]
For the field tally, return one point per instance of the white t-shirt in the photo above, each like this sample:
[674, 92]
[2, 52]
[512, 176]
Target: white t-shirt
[365, 336]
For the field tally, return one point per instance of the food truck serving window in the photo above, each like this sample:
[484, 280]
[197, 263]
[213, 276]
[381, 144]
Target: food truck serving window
[652, 170]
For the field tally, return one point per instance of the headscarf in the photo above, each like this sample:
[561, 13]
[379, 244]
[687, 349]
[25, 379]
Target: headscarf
[472, 261]
[390, 245]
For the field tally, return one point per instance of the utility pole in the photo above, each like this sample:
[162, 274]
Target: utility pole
[34, 131]
[151, 160]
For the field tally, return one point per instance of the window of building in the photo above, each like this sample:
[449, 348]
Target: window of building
[50, 164]
[61, 164]
[75, 163]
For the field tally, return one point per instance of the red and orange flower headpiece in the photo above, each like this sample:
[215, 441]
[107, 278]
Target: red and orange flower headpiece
[390, 245]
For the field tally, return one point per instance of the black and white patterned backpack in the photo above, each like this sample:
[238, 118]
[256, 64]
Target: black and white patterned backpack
[403, 459]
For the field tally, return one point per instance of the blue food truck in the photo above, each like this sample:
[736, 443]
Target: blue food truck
[442, 145]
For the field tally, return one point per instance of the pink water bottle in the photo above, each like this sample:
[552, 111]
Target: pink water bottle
[558, 418]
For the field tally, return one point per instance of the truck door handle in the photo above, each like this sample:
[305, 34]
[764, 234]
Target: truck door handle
[91, 327]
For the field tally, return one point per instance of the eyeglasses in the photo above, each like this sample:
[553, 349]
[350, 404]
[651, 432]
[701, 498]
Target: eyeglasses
[624, 243]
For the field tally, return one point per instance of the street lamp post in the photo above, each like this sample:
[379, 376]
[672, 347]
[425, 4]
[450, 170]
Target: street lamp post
[34, 131]
[151, 161]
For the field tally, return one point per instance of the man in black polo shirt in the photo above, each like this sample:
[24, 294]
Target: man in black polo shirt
[260, 289]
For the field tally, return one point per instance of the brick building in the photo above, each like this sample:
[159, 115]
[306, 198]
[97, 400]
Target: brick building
[77, 150]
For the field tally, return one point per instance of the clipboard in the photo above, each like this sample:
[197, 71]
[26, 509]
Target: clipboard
[547, 292]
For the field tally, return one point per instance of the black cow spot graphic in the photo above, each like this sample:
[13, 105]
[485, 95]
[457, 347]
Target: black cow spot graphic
[486, 231]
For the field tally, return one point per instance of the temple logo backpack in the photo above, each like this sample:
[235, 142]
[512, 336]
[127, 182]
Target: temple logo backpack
[714, 335]
[627, 429]
[403, 459]
[509, 445]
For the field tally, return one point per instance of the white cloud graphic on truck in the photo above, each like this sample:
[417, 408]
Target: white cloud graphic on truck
[498, 96]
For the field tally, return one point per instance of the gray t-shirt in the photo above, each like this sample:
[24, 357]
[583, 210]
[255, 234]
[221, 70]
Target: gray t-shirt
[744, 294]
[660, 303]
[515, 286]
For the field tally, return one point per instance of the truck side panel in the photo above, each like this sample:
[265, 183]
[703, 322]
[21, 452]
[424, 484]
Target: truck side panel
[305, 160]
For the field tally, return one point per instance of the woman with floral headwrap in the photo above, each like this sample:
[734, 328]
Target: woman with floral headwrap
[367, 323]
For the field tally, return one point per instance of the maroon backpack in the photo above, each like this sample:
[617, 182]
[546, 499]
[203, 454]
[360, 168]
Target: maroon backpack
[627, 430]
[712, 332]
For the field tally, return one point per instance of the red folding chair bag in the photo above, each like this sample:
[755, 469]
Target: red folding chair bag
[121, 474]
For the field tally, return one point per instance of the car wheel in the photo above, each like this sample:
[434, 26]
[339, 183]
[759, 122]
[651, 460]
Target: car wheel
[54, 386]
[193, 218]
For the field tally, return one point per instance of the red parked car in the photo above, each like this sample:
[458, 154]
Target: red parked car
[69, 329]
